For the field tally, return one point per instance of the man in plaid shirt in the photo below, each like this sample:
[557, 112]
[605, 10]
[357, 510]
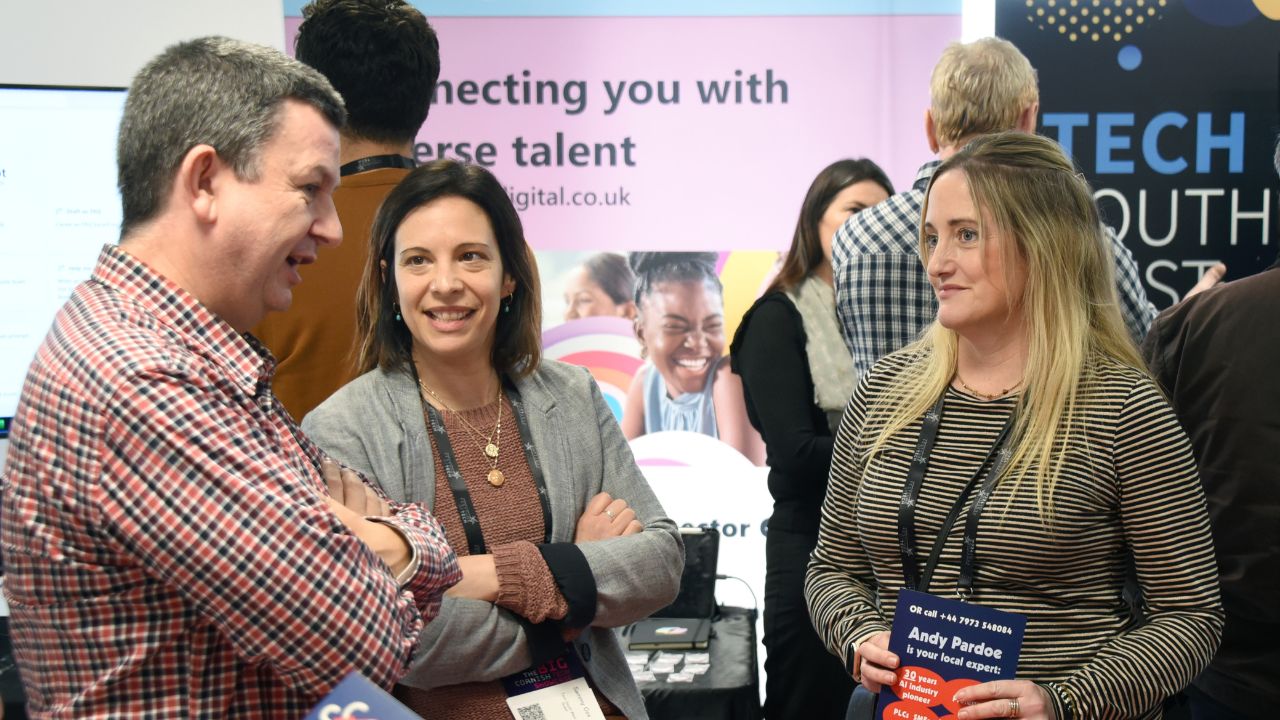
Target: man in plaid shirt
[170, 547]
[883, 296]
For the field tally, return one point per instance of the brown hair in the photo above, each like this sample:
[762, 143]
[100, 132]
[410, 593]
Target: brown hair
[386, 342]
[805, 254]
[611, 272]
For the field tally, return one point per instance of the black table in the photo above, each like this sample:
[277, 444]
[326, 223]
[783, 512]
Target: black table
[730, 690]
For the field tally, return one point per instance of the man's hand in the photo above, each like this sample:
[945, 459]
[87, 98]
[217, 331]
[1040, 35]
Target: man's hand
[346, 487]
[1210, 278]
[352, 500]
[606, 518]
[479, 579]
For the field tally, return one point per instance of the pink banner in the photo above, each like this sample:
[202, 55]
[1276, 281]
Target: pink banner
[666, 133]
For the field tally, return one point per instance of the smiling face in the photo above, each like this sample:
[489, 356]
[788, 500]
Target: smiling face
[849, 201]
[450, 282]
[978, 292]
[276, 223]
[681, 326]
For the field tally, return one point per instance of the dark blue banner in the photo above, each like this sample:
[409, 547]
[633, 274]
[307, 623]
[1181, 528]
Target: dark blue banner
[1170, 110]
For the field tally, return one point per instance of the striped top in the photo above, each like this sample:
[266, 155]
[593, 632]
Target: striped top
[1129, 485]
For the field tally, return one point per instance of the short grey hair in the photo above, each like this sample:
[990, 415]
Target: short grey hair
[214, 91]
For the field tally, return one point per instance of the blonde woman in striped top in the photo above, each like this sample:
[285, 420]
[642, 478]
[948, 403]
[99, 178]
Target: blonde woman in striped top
[1099, 475]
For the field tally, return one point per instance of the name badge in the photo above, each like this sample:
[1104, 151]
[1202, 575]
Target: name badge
[555, 690]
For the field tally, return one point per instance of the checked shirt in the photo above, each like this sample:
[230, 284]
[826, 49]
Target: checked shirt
[883, 296]
[167, 546]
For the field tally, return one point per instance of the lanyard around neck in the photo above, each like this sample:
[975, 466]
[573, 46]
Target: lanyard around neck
[458, 485]
[997, 458]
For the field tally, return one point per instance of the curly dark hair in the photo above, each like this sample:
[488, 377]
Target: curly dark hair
[652, 268]
[382, 56]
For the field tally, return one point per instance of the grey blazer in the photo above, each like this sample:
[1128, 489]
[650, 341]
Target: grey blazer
[375, 425]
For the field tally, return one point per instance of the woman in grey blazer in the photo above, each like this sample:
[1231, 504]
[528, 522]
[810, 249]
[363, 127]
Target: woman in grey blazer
[558, 534]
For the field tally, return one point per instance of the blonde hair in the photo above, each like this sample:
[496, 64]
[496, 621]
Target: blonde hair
[978, 88]
[1032, 194]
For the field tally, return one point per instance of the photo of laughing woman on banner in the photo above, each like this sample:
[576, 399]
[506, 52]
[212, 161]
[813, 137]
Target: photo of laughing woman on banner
[653, 329]
[686, 383]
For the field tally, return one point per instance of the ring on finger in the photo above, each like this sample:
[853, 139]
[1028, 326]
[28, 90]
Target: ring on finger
[1015, 709]
[609, 512]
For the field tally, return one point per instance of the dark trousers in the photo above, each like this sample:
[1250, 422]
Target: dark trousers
[803, 680]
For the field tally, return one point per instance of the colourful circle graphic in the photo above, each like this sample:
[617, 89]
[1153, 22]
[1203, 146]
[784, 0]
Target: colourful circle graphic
[1270, 8]
[605, 346]
[1129, 57]
[678, 448]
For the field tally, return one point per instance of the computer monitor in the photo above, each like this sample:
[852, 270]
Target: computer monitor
[58, 206]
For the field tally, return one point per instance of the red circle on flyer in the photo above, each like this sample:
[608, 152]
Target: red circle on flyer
[909, 709]
[947, 693]
[922, 684]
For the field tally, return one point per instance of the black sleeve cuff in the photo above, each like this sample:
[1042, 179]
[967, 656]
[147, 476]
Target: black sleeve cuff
[545, 641]
[574, 578]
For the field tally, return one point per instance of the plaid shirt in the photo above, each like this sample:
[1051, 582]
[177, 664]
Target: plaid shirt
[167, 545]
[883, 296]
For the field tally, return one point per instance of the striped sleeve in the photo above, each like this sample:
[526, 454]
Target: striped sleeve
[1162, 510]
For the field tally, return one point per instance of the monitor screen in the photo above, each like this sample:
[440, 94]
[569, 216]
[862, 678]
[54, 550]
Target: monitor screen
[58, 207]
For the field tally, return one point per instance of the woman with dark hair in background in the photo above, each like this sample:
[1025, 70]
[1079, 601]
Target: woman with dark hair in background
[797, 376]
[600, 286]
[687, 384]
[558, 535]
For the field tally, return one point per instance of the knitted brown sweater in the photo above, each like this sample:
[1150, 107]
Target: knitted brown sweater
[511, 520]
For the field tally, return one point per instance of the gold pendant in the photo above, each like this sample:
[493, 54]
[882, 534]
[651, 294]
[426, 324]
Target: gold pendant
[496, 478]
[492, 451]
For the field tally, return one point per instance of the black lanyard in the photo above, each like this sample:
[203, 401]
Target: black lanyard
[462, 496]
[377, 162]
[911, 494]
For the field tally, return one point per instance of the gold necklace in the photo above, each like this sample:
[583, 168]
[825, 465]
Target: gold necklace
[987, 396]
[492, 444]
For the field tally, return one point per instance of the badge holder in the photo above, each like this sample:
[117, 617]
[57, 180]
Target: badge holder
[554, 690]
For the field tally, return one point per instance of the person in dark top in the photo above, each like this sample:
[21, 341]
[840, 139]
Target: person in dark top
[797, 376]
[1214, 354]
